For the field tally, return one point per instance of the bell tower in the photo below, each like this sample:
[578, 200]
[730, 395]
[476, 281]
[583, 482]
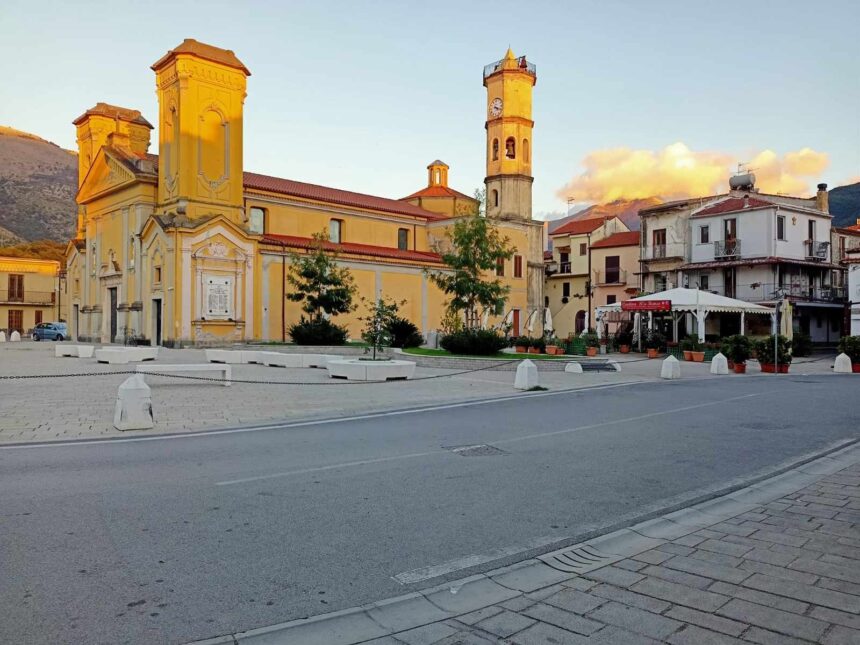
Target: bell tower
[201, 97]
[509, 125]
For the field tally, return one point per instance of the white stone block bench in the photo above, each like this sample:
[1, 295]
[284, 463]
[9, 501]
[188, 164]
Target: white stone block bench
[319, 360]
[278, 359]
[229, 356]
[125, 355]
[75, 351]
[355, 369]
[225, 370]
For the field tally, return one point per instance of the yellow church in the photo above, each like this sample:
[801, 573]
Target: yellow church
[185, 248]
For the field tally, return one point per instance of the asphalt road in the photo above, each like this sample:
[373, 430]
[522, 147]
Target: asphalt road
[169, 540]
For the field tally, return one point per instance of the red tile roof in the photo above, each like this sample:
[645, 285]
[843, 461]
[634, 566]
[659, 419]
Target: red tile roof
[114, 112]
[437, 191]
[254, 181]
[202, 50]
[547, 255]
[732, 205]
[580, 226]
[296, 242]
[627, 238]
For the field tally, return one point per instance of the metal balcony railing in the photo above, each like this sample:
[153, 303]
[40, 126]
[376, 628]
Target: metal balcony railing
[727, 249]
[522, 65]
[764, 291]
[616, 276]
[564, 267]
[28, 297]
[816, 250]
[663, 251]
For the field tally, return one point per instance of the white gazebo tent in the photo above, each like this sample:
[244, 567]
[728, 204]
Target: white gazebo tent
[694, 301]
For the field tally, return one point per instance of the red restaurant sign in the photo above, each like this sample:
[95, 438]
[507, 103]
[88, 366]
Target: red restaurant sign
[646, 305]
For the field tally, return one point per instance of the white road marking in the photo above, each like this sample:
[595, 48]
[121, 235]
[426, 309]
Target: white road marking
[425, 573]
[315, 422]
[539, 435]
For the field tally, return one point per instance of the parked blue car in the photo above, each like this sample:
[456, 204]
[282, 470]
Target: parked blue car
[51, 331]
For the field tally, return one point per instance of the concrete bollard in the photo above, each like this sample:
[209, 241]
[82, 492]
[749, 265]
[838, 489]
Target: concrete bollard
[15, 337]
[671, 368]
[431, 340]
[842, 364]
[573, 367]
[719, 364]
[2, 336]
[133, 405]
[527, 376]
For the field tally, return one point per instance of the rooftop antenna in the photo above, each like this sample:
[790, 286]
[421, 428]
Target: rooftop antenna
[569, 204]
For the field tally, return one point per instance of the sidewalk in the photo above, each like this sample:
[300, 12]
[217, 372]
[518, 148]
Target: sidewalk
[777, 562]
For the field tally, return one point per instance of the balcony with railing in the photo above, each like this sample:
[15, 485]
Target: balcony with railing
[521, 64]
[610, 277]
[664, 252]
[764, 291]
[817, 250]
[26, 297]
[727, 249]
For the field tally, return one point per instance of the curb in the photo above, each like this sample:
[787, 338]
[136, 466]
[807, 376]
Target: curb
[391, 616]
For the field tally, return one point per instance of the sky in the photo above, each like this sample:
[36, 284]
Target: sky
[633, 99]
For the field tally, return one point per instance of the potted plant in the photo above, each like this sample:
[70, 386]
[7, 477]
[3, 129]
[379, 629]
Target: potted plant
[624, 340]
[726, 350]
[697, 351]
[739, 348]
[655, 342]
[592, 342]
[687, 347]
[521, 344]
[850, 345]
[552, 345]
[536, 345]
[769, 360]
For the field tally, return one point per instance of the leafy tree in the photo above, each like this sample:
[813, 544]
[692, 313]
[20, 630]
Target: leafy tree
[474, 250]
[381, 314]
[323, 287]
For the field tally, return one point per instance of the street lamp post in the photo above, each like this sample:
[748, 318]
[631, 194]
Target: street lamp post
[61, 283]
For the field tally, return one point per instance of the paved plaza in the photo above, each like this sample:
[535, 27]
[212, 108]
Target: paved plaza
[78, 407]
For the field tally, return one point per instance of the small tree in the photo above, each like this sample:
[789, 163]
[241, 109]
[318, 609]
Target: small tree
[319, 283]
[381, 314]
[476, 248]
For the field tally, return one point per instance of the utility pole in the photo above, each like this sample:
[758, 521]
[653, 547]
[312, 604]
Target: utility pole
[588, 282]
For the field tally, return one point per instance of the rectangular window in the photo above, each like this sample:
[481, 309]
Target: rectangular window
[16, 287]
[257, 220]
[38, 320]
[811, 227]
[659, 282]
[335, 231]
[518, 266]
[156, 275]
[611, 299]
[583, 248]
[564, 257]
[704, 234]
[500, 267]
[658, 241]
[703, 282]
[780, 227]
[403, 239]
[565, 289]
[612, 266]
[16, 320]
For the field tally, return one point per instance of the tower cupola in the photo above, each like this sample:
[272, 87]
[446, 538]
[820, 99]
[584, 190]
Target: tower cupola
[437, 173]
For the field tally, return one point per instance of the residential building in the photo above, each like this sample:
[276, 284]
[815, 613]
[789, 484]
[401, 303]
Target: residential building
[185, 247]
[753, 247]
[29, 293]
[614, 269]
[568, 269]
[846, 251]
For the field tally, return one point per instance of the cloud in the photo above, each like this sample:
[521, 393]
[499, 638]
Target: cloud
[675, 172]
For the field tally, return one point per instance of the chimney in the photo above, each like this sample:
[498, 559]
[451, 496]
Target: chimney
[746, 200]
[821, 201]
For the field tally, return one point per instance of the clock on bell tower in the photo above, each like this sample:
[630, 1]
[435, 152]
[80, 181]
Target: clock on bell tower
[509, 127]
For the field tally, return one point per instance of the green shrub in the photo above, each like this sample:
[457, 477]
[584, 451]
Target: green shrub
[540, 343]
[764, 350]
[317, 332]
[474, 342]
[521, 341]
[624, 338]
[590, 339]
[655, 340]
[404, 333]
[737, 348]
[850, 345]
[801, 344]
[691, 343]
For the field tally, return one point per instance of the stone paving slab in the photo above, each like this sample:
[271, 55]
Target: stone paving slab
[709, 585]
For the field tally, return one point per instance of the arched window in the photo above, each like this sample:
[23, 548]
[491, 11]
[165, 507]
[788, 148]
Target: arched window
[511, 148]
[495, 149]
[526, 150]
[580, 321]
[438, 176]
[495, 197]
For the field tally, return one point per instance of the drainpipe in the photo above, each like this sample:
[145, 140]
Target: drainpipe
[283, 295]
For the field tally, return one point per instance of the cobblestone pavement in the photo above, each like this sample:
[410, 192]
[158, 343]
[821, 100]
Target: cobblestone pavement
[83, 407]
[784, 573]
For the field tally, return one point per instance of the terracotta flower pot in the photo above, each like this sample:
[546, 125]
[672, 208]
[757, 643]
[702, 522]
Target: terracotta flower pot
[730, 363]
[698, 357]
[591, 351]
[855, 367]
[521, 349]
[740, 368]
[783, 368]
[688, 355]
[624, 349]
[652, 352]
[534, 350]
[551, 350]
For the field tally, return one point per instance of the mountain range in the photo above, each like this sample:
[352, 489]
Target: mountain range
[38, 181]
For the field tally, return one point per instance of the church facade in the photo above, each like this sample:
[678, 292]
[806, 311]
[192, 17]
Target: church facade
[186, 248]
